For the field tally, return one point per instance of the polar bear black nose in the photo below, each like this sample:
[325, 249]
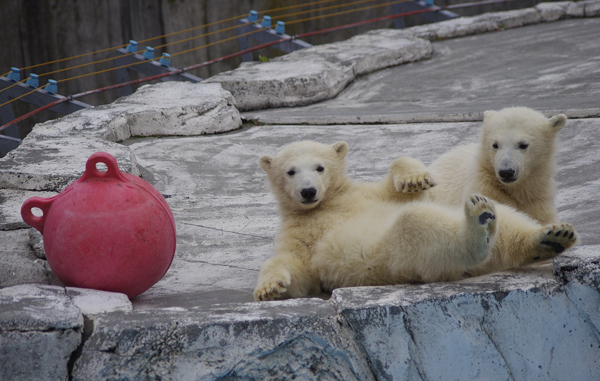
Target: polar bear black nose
[506, 173]
[308, 193]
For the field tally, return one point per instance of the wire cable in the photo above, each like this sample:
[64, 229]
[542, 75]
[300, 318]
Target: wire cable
[289, 38]
[191, 38]
[173, 33]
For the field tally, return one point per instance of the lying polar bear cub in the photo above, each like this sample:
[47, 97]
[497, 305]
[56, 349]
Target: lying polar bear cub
[335, 232]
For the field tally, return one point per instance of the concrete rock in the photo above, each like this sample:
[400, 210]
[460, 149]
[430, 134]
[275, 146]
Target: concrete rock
[164, 109]
[575, 9]
[39, 330]
[512, 19]
[462, 26]
[515, 325]
[93, 302]
[278, 83]
[553, 11]
[54, 154]
[53, 164]
[319, 72]
[19, 264]
[180, 108]
[592, 8]
[36, 242]
[249, 341]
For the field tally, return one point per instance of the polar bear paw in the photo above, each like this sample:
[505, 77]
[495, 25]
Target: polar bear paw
[481, 217]
[415, 183]
[553, 240]
[410, 175]
[482, 211]
[272, 287]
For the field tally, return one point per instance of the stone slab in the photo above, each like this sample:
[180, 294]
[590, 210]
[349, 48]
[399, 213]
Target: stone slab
[299, 339]
[320, 72]
[93, 302]
[40, 328]
[54, 154]
[515, 325]
[52, 164]
[18, 262]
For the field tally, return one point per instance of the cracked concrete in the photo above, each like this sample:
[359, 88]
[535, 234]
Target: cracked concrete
[199, 322]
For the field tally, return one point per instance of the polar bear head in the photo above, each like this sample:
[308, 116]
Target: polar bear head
[518, 143]
[303, 174]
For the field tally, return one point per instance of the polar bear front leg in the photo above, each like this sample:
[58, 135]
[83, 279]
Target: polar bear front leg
[285, 276]
[409, 175]
[273, 280]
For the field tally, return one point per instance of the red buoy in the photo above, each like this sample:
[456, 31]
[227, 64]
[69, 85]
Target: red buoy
[108, 230]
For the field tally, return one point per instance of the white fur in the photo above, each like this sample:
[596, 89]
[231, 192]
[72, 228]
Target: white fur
[362, 234]
[514, 140]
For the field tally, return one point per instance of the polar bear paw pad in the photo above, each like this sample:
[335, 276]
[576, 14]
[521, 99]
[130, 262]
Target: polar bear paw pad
[558, 238]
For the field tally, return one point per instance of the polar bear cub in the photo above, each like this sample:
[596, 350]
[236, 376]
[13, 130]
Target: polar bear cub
[335, 232]
[513, 164]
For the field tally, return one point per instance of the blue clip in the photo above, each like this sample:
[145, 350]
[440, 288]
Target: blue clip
[266, 23]
[33, 81]
[132, 47]
[51, 87]
[165, 60]
[280, 27]
[148, 53]
[428, 2]
[253, 16]
[15, 74]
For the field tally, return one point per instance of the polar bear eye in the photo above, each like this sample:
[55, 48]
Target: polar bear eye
[320, 168]
[523, 145]
[495, 145]
[291, 172]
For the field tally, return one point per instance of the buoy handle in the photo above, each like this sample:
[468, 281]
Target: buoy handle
[31, 219]
[91, 171]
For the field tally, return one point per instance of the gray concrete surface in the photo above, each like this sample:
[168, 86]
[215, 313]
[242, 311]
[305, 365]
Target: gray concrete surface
[551, 67]
[198, 322]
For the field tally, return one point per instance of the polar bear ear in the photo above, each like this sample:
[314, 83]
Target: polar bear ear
[557, 122]
[341, 149]
[265, 162]
[488, 114]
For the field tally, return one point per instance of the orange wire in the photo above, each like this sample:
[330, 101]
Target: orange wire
[155, 58]
[204, 35]
[20, 96]
[347, 11]
[171, 34]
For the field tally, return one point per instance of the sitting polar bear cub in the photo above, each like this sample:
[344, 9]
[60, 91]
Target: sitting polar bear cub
[335, 232]
[513, 165]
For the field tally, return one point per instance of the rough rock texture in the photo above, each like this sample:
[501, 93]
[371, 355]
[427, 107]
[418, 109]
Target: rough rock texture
[247, 341]
[321, 72]
[42, 327]
[54, 154]
[94, 302]
[18, 262]
[39, 330]
[518, 325]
